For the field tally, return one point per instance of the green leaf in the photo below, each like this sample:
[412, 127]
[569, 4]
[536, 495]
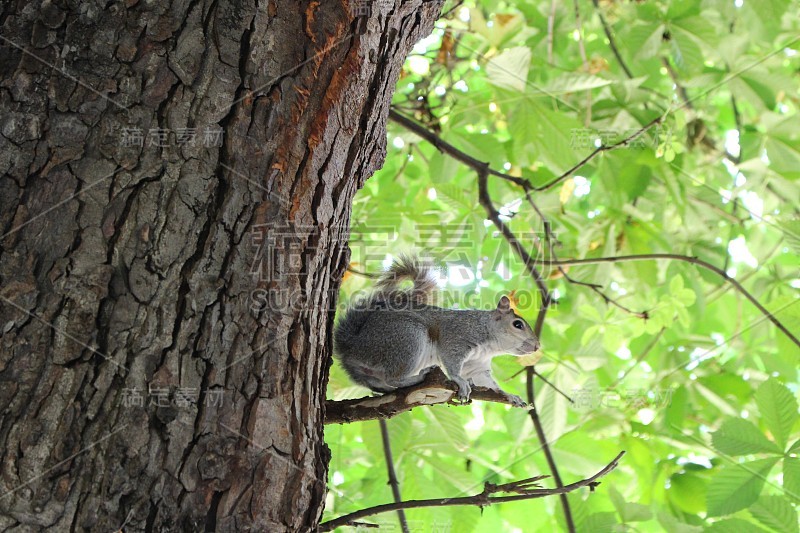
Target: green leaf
[791, 233]
[442, 168]
[794, 448]
[784, 156]
[791, 478]
[687, 492]
[699, 28]
[550, 133]
[738, 486]
[600, 522]
[733, 525]
[446, 426]
[778, 408]
[509, 69]
[629, 512]
[775, 512]
[685, 51]
[740, 437]
[674, 525]
[647, 40]
[573, 82]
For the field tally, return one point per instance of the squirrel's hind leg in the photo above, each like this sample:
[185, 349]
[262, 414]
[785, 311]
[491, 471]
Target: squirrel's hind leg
[378, 382]
[372, 378]
[409, 381]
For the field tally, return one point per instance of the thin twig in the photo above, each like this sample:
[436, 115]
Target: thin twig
[387, 454]
[550, 239]
[482, 499]
[680, 88]
[362, 274]
[600, 149]
[737, 117]
[452, 9]
[447, 148]
[611, 43]
[562, 393]
[688, 259]
[491, 212]
[548, 454]
[459, 155]
[687, 103]
[483, 169]
[547, 381]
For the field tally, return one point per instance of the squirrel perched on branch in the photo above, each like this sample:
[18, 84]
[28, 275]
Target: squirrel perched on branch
[394, 337]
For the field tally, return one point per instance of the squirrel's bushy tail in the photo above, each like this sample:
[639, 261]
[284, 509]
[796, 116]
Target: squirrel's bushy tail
[389, 293]
[407, 268]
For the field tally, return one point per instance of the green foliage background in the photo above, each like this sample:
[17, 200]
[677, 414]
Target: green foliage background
[703, 394]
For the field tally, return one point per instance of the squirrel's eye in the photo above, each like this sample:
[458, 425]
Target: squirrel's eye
[517, 324]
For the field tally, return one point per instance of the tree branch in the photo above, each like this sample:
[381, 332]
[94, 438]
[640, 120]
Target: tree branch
[523, 491]
[481, 166]
[611, 43]
[435, 389]
[493, 215]
[687, 103]
[592, 155]
[447, 148]
[483, 170]
[548, 454]
[387, 454]
[491, 212]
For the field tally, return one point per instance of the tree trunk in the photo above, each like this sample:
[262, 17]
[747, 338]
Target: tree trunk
[167, 290]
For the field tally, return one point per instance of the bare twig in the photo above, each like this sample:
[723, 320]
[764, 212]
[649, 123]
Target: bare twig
[603, 148]
[687, 259]
[447, 148]
[387, 454]
[548, 454]
[523, 491]
[483, 169]
[611, 43]
[687, 103]
[452, 10]
[362, 273]
[680, 88]
[491, 212]
[550, 238]
[562, 393]
[459, 155]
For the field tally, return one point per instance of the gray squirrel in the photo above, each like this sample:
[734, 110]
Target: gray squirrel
[394, 337]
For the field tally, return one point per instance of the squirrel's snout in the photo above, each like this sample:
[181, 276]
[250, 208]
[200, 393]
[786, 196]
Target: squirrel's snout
[530, 347]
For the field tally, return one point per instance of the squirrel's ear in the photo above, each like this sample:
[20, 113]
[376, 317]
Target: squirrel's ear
[504, 305]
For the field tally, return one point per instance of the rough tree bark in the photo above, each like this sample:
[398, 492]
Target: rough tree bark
[165, 302]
